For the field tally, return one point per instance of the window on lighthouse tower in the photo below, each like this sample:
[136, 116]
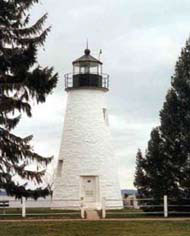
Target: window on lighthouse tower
[59, 168]
[105, 115]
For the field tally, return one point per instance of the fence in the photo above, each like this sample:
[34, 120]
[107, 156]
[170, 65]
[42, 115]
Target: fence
[41, 207]
[141, 207]
[136, 207]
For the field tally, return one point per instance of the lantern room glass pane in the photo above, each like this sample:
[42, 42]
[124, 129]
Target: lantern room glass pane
[76, 70]
[94, 70]
[84, 70]
[87, 68]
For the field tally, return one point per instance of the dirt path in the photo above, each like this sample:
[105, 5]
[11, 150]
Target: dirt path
[92, 215]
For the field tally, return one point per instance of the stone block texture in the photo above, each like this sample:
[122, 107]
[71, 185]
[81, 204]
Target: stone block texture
[86, 150]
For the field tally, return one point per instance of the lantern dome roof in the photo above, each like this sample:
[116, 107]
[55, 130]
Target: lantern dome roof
[87, 58]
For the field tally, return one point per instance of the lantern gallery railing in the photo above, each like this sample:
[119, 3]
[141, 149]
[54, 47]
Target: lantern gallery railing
[86, 80]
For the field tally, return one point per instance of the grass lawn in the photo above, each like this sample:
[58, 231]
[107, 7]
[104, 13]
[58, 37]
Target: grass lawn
[96, 229]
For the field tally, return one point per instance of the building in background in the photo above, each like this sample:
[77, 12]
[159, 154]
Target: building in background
[129, 197]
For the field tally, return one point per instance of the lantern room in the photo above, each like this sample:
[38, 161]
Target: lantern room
[87, 72]
[87, 64]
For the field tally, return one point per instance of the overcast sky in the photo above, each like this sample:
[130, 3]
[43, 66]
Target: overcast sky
[140, 40]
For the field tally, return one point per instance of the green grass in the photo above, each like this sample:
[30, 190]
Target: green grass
[96, 229]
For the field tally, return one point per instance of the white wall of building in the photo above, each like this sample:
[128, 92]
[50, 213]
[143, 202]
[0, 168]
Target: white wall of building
[87, 148]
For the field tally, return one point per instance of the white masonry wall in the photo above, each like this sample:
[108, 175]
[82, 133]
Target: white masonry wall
[86, 150]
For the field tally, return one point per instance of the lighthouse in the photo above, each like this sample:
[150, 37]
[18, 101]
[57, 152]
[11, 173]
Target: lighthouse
[87, 167]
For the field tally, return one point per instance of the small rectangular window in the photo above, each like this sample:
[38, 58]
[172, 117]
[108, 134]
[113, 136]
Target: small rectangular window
[105, 114]
[59, 168]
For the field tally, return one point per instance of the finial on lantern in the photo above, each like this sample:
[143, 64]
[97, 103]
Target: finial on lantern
[87, 51]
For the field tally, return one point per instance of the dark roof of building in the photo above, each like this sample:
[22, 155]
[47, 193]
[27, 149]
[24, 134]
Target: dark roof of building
[87, 58]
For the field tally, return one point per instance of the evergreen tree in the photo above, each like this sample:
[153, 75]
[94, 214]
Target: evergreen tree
[22, 80]
[167, 161]
[175, 125]
[140, 178]
[154, 168]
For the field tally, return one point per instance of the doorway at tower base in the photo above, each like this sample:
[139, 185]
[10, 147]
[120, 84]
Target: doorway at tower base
[87, 192]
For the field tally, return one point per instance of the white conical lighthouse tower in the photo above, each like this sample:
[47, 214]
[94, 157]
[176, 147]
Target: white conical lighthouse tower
[87, 167]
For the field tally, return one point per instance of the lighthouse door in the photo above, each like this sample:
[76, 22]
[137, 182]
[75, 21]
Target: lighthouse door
[89, 188]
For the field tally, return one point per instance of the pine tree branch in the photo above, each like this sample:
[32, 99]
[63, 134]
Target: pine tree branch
[40, 83]
[37, 41]
[19, 191]
[10, 104]
[30, 31]
[21, 148]
[9, 123]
